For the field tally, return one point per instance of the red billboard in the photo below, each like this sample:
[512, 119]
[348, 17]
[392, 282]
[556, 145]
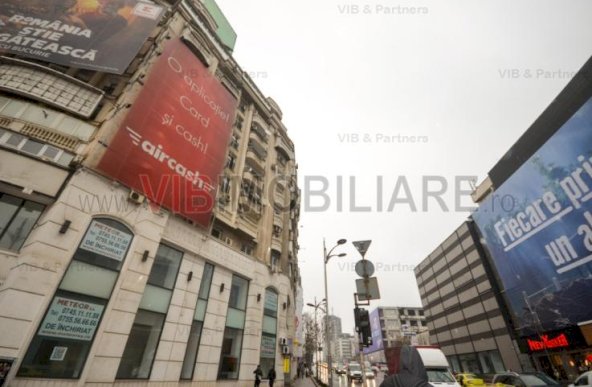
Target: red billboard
[172, 144]
[100, 35]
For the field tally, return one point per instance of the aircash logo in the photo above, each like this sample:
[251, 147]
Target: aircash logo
[158, 153]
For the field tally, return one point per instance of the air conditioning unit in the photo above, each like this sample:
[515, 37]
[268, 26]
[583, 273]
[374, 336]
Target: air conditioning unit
[283, 341]
[285, 350]
[136, 197]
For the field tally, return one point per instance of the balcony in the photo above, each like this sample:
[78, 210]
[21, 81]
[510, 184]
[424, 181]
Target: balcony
[282, 147]
[277, 220]
[278, 199]
[254, 162]
[251, 176]
[258, 132]
[250, 208]
[276, 244]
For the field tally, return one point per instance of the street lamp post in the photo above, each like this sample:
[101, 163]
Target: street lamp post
[317, 305]
[326, 257]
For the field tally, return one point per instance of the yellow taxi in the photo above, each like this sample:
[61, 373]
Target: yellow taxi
[466, 380]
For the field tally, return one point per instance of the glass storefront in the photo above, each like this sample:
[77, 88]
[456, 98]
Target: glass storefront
[486, 362]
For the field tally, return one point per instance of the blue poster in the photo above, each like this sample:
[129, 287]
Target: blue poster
[376, 329]
[538, 228]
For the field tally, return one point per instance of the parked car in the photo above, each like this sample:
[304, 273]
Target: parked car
[584, 379]
[467, 380]
[523, 380]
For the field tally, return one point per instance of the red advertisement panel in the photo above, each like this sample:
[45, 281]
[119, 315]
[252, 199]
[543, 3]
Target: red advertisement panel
[172, 144]
[100, 35]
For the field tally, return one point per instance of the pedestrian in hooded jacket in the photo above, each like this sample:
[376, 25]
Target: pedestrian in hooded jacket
[412, 373]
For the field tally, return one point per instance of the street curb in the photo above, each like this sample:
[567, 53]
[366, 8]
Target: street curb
[314, 381]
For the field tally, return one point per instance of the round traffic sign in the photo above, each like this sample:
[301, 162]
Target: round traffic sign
[364, 268]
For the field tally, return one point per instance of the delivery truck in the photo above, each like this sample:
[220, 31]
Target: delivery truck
[434, 361]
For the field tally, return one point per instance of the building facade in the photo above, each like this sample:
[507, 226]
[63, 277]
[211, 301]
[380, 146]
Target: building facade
[534, 218]
[462, 307]
[345, 348]
[149, 201]
[393, 326]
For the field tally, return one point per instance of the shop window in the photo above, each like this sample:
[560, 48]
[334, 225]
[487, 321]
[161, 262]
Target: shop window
[491, 362]
[66, 333]
[453, 360]
[269, 331]
[469, 363]
[197, 325]
[230, 355]
[142, 343]
[17, 218]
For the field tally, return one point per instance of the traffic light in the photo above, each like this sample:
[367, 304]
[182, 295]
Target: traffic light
[362, 320]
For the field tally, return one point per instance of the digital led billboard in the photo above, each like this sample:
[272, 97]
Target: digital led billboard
[100, 35]
[172, 144]
[538, 228]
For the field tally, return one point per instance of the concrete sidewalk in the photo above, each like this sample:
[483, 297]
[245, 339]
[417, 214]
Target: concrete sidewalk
[304, 382]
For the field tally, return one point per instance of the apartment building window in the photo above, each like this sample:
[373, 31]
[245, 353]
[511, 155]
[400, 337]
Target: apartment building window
[269, 331]
[197, 325]
[140, 349]
[247, 248]
[66, 333]
[277, 231]
[17, 218]
[234, 141]
[275, 260]
[231, 161]
[238, 123]
[413, 323]
[233, 332]
[217, 233]
[35, 148]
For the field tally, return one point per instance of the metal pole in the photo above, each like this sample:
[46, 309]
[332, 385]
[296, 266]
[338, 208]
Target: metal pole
[362, 362]
[316, 337]
[327, 327]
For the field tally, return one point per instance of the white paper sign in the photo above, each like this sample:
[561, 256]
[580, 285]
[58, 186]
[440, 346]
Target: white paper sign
[71, 319]
[58, 353]
[106, 241]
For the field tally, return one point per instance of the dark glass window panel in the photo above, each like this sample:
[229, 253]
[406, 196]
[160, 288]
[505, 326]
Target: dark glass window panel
[165, 268]
[231, 354]
[191, 351]
[14, 235]
[206, 282]
[140, 349]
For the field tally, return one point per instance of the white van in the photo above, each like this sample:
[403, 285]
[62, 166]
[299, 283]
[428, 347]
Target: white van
[436, 365]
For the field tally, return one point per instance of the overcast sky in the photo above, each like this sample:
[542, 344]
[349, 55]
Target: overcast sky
[451, 84]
